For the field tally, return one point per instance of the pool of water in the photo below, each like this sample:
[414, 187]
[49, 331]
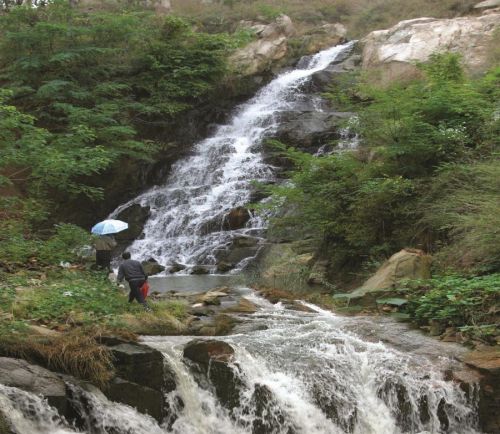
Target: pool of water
[190, 283]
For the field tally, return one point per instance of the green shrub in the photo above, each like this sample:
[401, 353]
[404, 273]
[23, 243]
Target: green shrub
[65, 244]
[470, 303]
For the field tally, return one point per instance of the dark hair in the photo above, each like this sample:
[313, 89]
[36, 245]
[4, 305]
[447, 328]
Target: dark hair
[126, 255]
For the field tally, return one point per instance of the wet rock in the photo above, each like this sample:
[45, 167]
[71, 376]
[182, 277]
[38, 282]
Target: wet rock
[213, 367]
[237, 218]
[268, 416]
[321, 80]
[337, 407]
[151, 267]
[234, 255]
[144, 399]
[309, 130]
[136, 216]
[200, 269]
[5, 426]
[32, 378]
[244, 306]
[487, 361]
[205, 351]
[245, 241]
[224, 267]
[141, 380]
[176, 267]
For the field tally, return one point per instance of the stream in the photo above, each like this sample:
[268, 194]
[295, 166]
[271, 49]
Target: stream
[321, 373]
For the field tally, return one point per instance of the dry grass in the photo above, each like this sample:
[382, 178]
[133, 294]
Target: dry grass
[360, 16]
[159, 323]
[76, 353]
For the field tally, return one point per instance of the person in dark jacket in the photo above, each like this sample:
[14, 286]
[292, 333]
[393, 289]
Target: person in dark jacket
[133, 272]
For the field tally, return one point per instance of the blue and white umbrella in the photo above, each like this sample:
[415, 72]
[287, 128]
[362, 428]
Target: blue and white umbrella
[109, 227]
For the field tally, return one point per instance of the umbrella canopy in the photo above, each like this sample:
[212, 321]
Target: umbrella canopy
[109, 227]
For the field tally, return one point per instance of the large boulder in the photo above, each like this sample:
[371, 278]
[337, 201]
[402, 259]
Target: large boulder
[151, 267]
[136, 216]
[406, 264]
[212, 364]
[32, 378]
[284, 265]
[322, 37]
[270, 47]
[396, 51]
[142, 379]
[488, 4]
[309, 130]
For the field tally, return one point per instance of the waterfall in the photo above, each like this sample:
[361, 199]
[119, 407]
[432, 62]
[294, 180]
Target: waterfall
[187, 212]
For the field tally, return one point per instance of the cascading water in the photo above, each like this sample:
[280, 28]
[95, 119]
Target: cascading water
[298, 373]
[319, 378]
[187, 213]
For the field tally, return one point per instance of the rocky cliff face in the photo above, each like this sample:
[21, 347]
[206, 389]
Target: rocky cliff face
[396, 51]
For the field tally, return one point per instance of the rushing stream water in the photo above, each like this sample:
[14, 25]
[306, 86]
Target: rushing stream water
[187, 213]
[319, 377]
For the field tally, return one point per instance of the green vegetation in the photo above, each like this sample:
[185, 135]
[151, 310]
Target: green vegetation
[75, 307]
[426, 175]
[64, 299]
[80, 92]
[471, 304]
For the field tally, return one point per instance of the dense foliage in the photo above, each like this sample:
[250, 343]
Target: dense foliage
[79, 93]
[469, 303]
[426, 174]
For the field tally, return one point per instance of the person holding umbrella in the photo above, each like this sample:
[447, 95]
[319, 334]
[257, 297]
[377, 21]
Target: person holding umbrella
[105, 243]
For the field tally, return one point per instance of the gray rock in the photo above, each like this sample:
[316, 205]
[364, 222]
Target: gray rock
[32, 378]
[151, 267]
[136, 216]
[141, 380]
[224, 267]
[245, 241]
[200, 269]
[488, 4]
[176, 267]
[211, 363]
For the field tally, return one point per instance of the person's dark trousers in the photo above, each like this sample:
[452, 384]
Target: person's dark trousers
[135, 292]
[103, 259]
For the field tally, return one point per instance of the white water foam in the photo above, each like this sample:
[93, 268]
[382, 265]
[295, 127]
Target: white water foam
[320, 378]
